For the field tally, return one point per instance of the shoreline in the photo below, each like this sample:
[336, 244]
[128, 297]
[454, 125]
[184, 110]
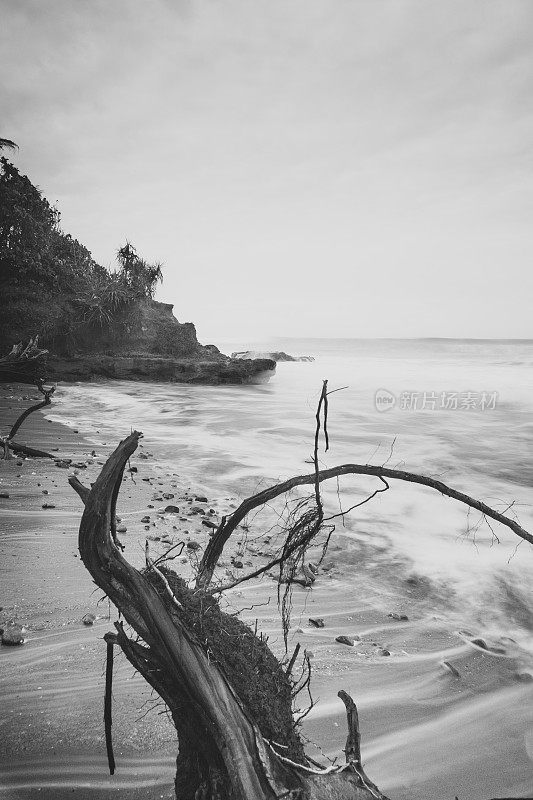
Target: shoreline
[52, 687]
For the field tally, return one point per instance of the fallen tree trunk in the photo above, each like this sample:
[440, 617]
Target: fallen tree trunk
[224, 752]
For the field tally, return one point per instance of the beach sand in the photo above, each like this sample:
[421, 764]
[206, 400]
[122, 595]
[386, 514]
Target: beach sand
[425, 731]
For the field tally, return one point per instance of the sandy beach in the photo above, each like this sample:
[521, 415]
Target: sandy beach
[427, 729]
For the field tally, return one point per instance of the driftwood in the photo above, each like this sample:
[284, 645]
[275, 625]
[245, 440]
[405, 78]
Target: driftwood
[228, 747]
[223, 752]
[24, 364]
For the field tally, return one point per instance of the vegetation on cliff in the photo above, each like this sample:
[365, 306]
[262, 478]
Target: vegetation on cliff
[50, 282]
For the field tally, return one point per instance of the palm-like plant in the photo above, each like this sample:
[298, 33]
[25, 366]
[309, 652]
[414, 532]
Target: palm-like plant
[140, 276]
[7, 144]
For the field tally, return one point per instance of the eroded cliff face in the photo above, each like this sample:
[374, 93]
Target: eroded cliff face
[148, 343]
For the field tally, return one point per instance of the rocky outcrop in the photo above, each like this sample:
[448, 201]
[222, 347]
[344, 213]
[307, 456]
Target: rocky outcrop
[149, 344]
[144, 367]
[273, 355]
[146, 342]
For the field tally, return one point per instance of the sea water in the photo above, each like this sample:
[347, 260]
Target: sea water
[457, 410]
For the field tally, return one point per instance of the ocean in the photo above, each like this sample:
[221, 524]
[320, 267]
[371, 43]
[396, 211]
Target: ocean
[461, 411]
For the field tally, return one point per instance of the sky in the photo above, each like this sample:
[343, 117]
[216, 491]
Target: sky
[343, 168]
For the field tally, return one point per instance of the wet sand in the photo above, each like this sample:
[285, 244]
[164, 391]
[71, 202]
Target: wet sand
[425, 731]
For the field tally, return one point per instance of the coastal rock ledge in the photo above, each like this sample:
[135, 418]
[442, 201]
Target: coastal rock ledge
[274, 355]
[161, 368]
[145, 343]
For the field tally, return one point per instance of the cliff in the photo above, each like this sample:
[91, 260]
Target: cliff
[148, 343]
[94, 321]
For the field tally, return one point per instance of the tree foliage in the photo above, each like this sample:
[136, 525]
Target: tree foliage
[49, 280]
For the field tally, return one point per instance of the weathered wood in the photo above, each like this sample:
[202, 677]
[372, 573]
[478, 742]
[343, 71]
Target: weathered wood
[7, 441]
[110, 640]
[233, 760]
[353, 742]
[24, 364]
[228, 525]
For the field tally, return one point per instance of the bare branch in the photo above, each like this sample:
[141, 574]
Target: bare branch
[353, 742]
[225, 530]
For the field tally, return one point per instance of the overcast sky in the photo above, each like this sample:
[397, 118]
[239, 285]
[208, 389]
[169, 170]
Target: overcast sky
[311, 167]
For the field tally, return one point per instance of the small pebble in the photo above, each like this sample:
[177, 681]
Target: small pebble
[345, 640]
[13, 634]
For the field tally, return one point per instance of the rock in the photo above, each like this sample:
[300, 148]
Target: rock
[277, 355]
[45, 491]
[48, 505]
[122, 529]
[171, 509]
[450, 668]
[186, 361]
[168, 496]
[384, 652]
[145, 518]
[318, 622]
[524, 677]
[345, 640]
[201, 499]
[133, 469]
[193, 546]
[197, 510]
[209, 524]
[398, 617]
[88, 619]
[4, 495]
[13, 634]
[167, 539]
